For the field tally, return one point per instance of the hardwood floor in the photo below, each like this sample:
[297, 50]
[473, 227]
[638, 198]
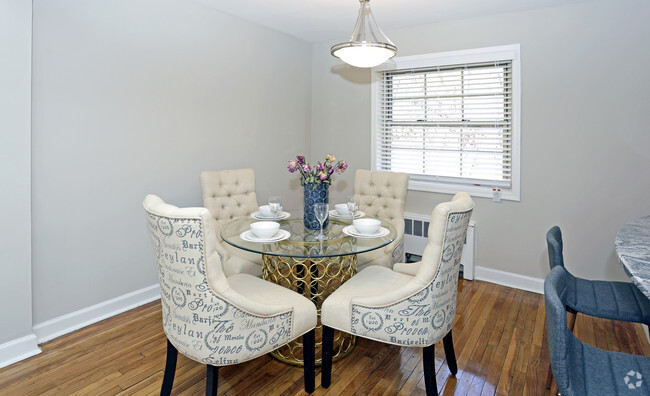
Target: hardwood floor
[499, 337]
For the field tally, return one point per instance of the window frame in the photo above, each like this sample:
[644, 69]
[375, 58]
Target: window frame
[487, 54]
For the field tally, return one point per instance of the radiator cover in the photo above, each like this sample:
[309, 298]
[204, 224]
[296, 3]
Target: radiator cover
[416, 235]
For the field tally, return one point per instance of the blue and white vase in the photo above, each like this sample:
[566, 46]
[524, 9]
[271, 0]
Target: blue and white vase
[315, 193]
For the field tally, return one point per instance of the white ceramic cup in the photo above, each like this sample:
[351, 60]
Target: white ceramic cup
[265, 211]
[366, 226]
[265, 229]
[342, 209]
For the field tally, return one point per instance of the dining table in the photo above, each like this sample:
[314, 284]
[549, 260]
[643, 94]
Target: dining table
[296, 259]
[633, 250]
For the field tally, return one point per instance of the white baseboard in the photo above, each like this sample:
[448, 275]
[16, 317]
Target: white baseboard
[68, 323]
[18, 349]
[509, 279]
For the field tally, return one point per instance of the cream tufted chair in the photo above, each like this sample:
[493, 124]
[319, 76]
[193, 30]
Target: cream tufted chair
[413, 304]
[228, 195]
[212, 319]
[383, 195]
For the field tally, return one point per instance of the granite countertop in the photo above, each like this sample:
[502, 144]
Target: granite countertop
[633, 249]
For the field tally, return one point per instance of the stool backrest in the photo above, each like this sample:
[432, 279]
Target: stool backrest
[555, 246]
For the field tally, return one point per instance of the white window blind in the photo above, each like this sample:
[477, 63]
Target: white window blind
[452, 123]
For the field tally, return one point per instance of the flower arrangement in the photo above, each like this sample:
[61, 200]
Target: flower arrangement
[321, 173]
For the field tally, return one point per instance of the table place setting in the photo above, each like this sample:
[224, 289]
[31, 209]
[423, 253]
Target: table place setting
[366, 228]
[265, 231]
[281, 216]
[348, 210]
[272, 211]
[345, 215]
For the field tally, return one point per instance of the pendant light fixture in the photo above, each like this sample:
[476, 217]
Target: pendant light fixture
[368, 46]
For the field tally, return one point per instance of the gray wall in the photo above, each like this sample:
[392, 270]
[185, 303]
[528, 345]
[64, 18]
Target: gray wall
[15, 237]
[137, 97]
[585, 128]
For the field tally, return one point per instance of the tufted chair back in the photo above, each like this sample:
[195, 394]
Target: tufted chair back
[383, 195]
[203, 317]
[229, 194]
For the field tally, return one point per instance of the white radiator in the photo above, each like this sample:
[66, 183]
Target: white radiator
[416, 229]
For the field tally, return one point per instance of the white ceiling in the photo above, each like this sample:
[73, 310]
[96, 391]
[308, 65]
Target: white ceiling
[319, 20]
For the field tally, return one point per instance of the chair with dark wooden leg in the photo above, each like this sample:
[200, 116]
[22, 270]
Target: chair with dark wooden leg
[214, 319]
[412, 304]
[603, 299]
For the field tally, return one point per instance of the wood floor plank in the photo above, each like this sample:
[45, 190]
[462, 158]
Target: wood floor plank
[499, 341]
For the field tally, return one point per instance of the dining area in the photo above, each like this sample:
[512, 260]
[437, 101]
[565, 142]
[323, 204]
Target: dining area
[313, 254]
[205, 105]
[265, 254]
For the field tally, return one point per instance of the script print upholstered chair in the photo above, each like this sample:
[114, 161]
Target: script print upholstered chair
[229, 195]
[382, 195]
[580, 369]
[604, 299]
[211, 318]
[413, 304]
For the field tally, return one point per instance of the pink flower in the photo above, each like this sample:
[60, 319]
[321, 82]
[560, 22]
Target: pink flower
[301, 159]
[330, 158]
[293, 166]
[306, 168]
[320, 166]
[323, 176]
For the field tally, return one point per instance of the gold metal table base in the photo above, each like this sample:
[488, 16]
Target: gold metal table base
[314, 278]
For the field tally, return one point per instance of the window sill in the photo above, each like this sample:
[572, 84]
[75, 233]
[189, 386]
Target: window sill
[473, 190]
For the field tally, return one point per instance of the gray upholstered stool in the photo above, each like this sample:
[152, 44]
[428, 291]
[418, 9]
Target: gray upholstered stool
[604, 299]
[578, 368]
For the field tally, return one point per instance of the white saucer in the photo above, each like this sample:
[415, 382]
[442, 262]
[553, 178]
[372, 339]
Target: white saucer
[351, 231]
[279, 236]
[336, 215]
[281, 216]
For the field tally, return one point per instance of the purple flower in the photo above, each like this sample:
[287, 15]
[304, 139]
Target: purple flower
[342, 167]
[321, 172]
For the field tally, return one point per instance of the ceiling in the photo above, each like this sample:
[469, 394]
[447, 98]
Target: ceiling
[319, 20]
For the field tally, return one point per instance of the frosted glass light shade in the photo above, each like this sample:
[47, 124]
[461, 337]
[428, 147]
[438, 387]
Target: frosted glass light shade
[364, 55]
[368, 45]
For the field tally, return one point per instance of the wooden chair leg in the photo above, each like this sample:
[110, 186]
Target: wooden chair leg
[328, 345]
[571, 324]
[170, 370]
[547, 353]
[212, 380]
[448, 343]
[428, 361]
[308, 352]
[549, 377]
[571, 320]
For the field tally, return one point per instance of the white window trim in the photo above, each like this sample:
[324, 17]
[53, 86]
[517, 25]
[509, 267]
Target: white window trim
[449, 58]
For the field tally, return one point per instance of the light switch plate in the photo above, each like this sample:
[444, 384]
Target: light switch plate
[496, 195]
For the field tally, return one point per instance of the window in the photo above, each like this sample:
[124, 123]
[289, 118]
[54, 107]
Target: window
[450, 120]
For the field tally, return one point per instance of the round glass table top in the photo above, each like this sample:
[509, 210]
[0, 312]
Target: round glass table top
[302, 242]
